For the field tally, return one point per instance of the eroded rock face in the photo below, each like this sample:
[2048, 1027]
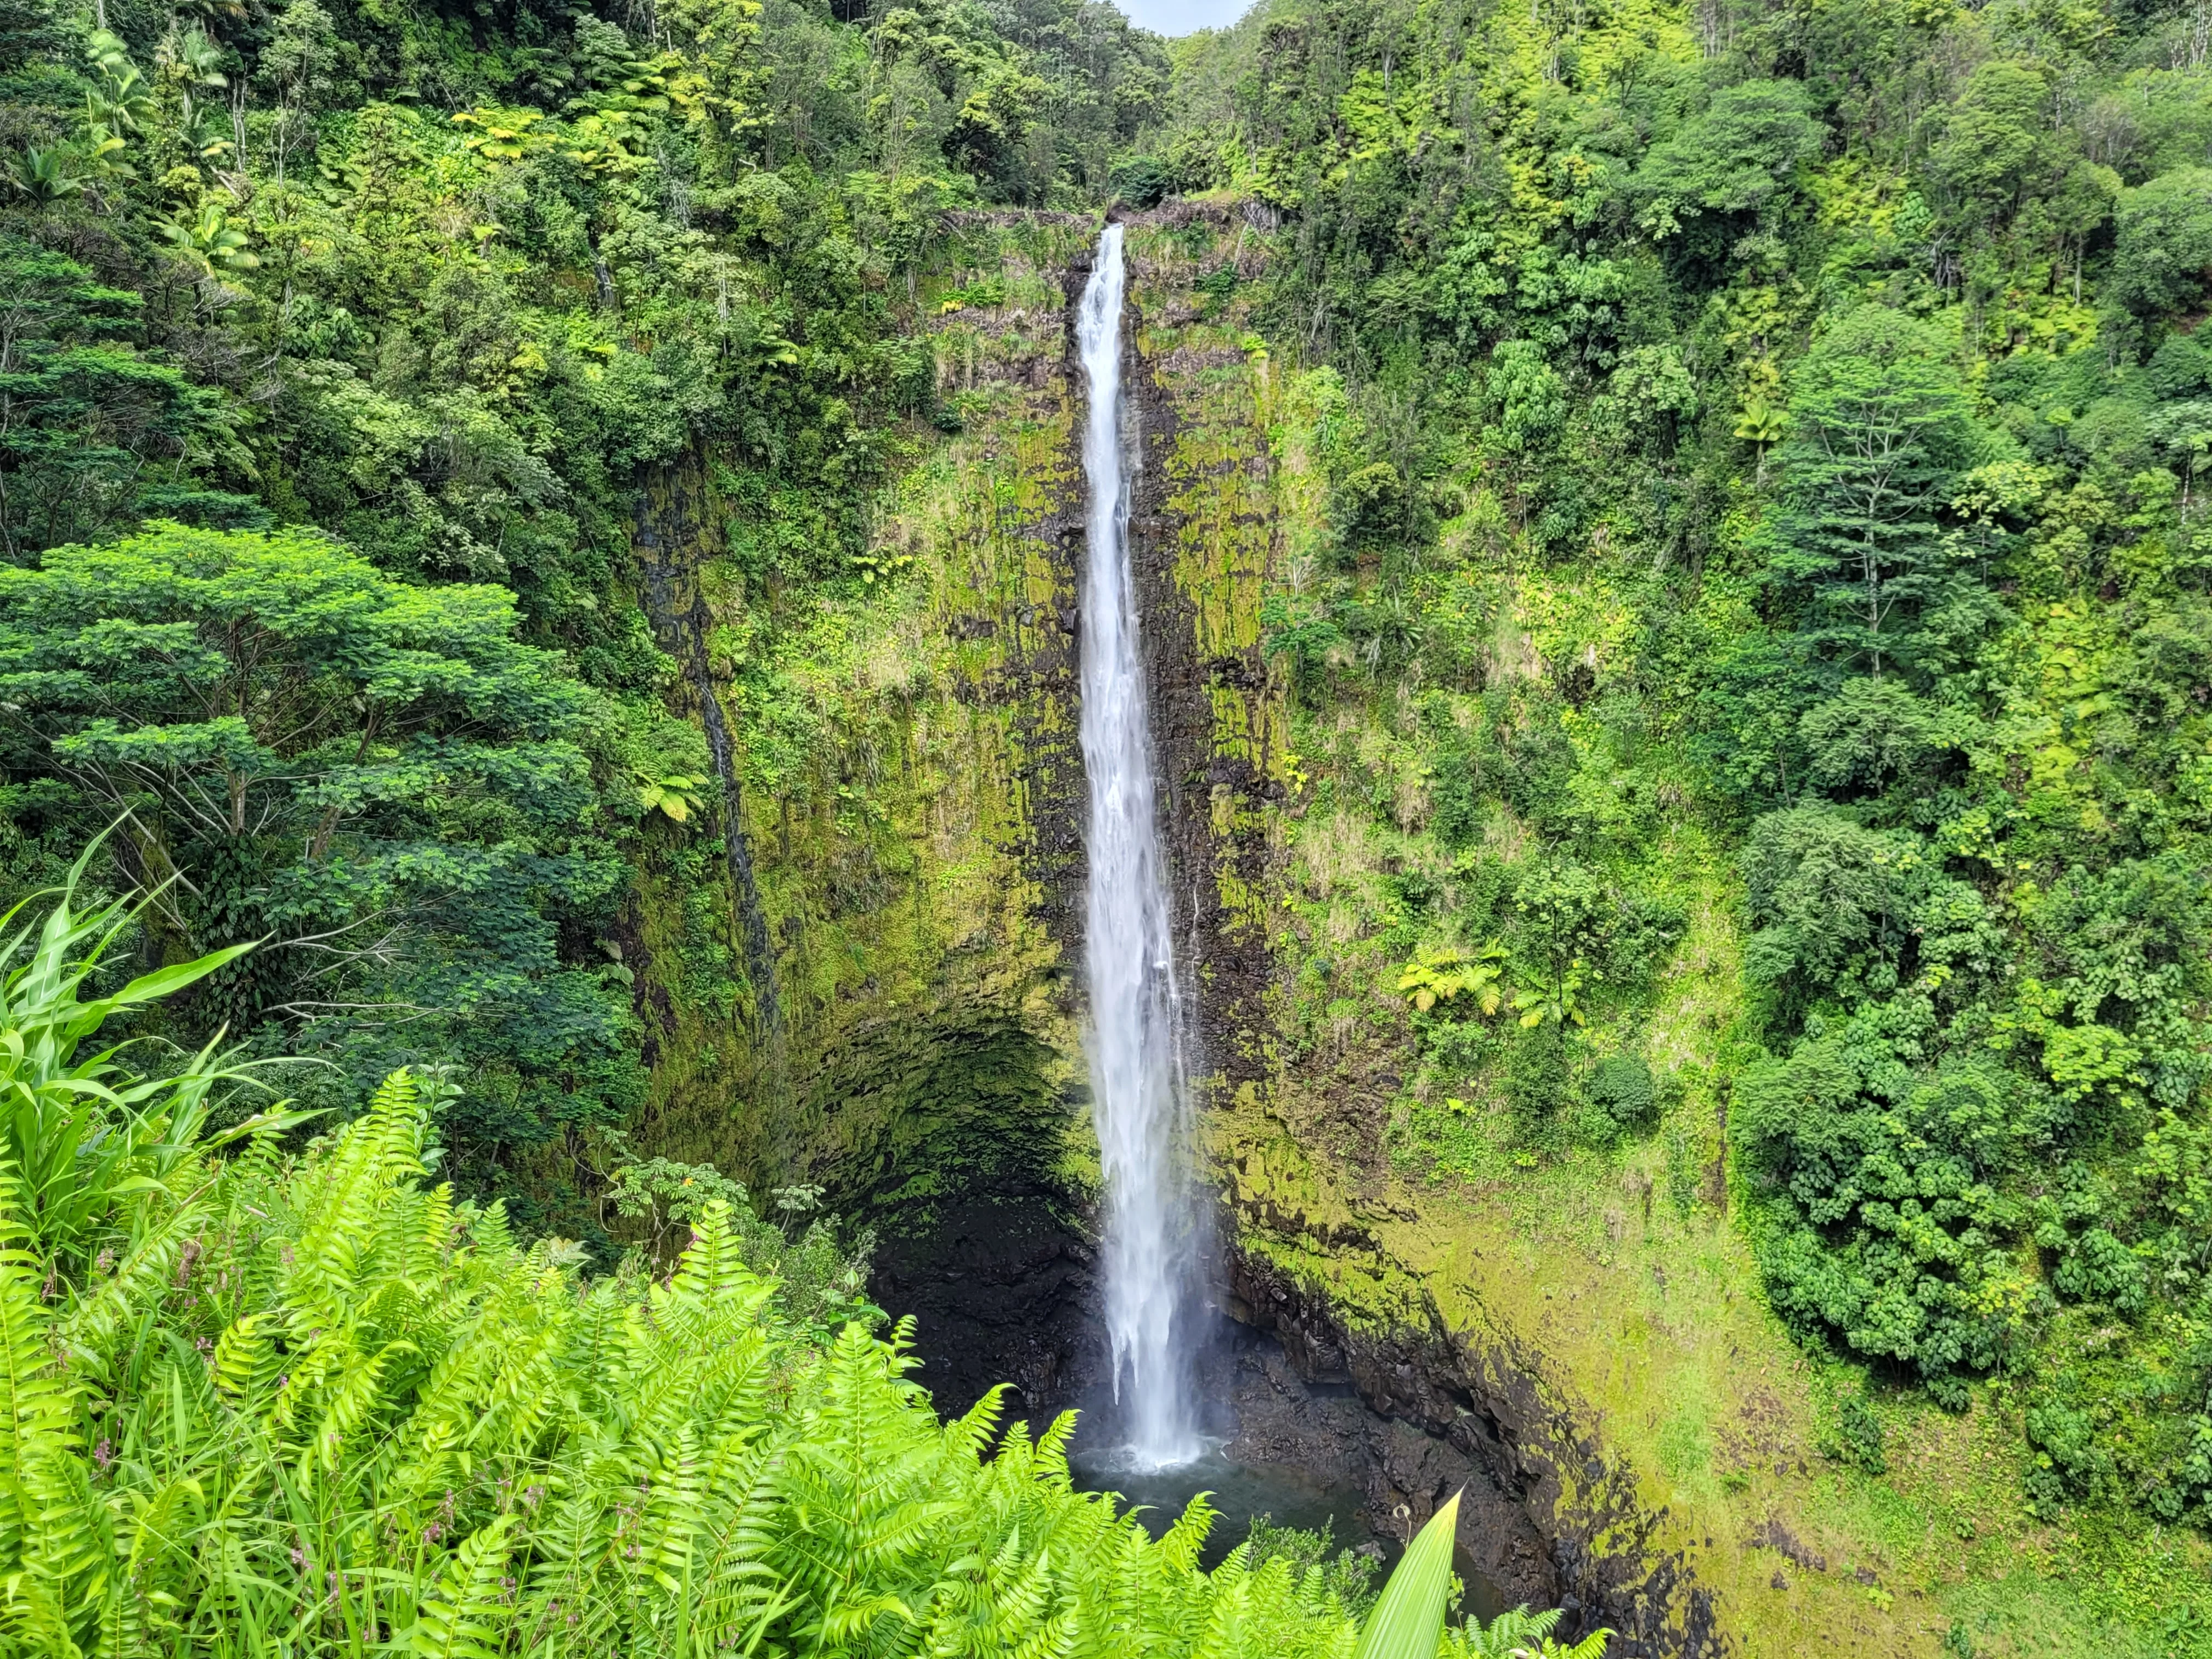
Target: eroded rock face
[1005, 1294]
[1002, 1292]
[1206, 528]
[1542, 1485]
[1286, 1418]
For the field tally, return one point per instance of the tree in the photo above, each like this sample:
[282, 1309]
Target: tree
[1730, 162]
[95, 432]
[373, 777]
[1753, 704]
[1875, 733]
[2163, 246]
[1832, 901]
[1994, 141]
[1881, 431]
[28, 30]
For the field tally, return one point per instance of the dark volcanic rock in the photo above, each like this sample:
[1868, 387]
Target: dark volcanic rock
[1001, 1292]
[1486, 1404]
[1327, 1431]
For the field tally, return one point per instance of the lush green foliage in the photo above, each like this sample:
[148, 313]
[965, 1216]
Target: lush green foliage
[451, 291]
[1759, 454]
[1762, 453]
[79, 1134]
[370, 775]
[304, 1403]
[1315, 1563]
[93, 433]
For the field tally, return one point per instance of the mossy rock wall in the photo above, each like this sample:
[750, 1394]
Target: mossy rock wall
[1215, 506]
[924, 883]
[919, 867]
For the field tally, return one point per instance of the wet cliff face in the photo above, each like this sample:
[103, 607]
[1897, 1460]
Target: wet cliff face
[1546, 1503]
[858, 976]
[1208, 523]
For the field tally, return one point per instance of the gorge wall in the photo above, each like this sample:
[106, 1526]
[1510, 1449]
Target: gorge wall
[923, 905]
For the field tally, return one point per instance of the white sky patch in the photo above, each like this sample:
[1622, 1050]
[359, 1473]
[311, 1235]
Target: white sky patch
[1183, 17]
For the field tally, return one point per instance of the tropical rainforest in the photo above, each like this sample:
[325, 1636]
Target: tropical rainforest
[536, 638]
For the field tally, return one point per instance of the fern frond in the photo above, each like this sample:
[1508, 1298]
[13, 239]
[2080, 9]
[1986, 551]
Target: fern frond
[38, 1418]
[467, 1616]
[969, 1434]
[1187, 1538]
[92, 1326]
[246, 1363]
[350, 1402]
[1052, 1449]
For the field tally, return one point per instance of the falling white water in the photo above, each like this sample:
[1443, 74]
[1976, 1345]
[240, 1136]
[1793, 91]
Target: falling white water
[1152, 1240]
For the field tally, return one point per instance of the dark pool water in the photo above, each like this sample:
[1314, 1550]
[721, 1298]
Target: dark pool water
[1285, 1496]
[1289, 1496]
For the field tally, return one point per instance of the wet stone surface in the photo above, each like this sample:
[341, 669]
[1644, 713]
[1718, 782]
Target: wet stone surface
[1398, 1472]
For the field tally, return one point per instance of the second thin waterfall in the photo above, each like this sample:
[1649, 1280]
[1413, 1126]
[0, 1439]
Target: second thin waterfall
[1154, 1235]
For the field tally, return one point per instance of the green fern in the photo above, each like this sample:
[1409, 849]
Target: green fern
[467, 1615]
[1520, 1634]
[372, 1419]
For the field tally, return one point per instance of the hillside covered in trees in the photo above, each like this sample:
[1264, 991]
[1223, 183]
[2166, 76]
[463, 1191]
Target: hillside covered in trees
[1692, 781]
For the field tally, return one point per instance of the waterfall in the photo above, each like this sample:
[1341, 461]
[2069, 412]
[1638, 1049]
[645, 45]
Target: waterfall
[1153, 1232]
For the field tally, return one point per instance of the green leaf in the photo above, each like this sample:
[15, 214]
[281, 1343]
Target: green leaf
[1408, 1622]
[163, 981]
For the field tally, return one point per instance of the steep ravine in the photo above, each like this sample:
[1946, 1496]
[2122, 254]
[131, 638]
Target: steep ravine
[929, 1038]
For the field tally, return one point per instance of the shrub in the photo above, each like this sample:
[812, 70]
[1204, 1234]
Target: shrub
[1142, 180]
[2069, 1462]
[1877, 1228]
[2097, 1268]
[1539, 1072]
[1621, 1086]
[1859, 1440]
